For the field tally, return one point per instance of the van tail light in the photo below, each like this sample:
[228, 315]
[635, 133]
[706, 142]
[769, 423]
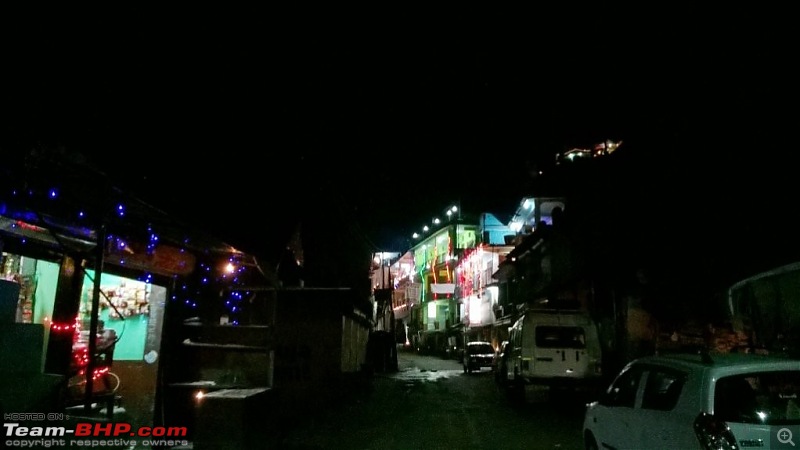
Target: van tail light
[713, 433]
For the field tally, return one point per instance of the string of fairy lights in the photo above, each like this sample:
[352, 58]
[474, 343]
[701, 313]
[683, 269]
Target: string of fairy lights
[214, 273]
[451, 212]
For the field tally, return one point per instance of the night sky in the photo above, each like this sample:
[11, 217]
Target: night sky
[244, 120]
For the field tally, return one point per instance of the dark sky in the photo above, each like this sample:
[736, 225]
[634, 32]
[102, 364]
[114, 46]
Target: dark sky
[253, 116]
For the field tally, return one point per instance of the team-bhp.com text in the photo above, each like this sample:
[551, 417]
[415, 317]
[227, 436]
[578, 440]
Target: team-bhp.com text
[53, 436]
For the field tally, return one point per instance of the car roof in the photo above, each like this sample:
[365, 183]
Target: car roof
[721, 364]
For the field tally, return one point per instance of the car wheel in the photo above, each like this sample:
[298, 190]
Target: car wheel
[589, 442]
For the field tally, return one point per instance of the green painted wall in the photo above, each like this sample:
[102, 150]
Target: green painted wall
[132, 331]
[46, 281]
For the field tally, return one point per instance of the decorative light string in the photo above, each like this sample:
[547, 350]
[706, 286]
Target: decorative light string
[214, 274]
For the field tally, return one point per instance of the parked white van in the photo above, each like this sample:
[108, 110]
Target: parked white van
[553, 348]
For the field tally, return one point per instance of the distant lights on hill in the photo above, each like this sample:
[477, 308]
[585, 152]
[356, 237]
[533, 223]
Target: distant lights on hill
[604, 148]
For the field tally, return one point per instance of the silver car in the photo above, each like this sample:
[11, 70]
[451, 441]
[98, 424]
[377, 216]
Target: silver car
[723, 401]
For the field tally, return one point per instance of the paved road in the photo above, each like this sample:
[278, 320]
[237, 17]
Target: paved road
[430, 403]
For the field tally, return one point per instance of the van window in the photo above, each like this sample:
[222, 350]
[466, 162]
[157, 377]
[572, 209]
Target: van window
[560, 337]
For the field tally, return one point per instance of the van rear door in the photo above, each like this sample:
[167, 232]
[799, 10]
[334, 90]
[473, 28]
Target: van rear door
[560, 351]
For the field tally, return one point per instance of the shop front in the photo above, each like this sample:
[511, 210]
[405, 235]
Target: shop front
[129, 317]
[96, 289]
[55, 300]
[28, 287]
[85, 328]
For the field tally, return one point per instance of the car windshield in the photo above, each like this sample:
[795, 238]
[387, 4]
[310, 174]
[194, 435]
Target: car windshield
[480, 349]
[769, 398]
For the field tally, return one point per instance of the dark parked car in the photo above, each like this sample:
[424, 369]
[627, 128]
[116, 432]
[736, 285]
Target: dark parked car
[477, 354]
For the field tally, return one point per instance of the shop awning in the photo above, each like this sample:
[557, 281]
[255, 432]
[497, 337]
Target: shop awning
[66, 198]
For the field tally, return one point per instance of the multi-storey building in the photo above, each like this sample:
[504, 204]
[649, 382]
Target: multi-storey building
[444, 290]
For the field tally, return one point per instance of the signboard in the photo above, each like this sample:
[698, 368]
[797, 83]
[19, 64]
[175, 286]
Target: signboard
[162, 259]
[443, 288]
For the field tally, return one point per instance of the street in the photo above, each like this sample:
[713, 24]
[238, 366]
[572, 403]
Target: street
[431, 403]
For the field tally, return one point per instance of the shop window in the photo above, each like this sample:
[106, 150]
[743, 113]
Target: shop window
[125, 313]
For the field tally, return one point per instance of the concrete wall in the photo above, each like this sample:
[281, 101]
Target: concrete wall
[320, 342]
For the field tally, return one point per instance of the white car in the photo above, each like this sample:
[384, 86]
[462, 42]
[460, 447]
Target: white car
[710, 401]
